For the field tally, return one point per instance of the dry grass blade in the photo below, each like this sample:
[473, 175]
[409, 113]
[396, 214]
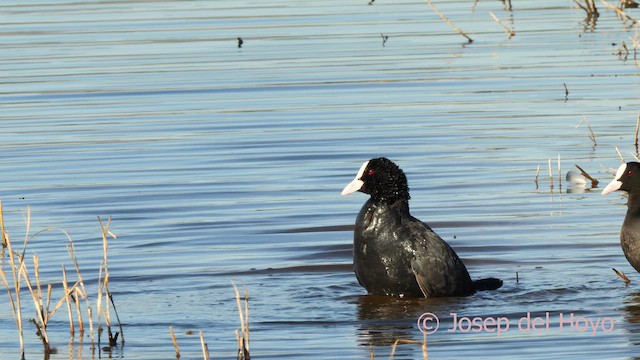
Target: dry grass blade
[550, 175]
[589, 7]
[80, 292]
[205, 348]
[619, 11]
[103, 290]
[505, 27]
[537, 174]
[592, 135]
[622, 276]
[559, 172]
[65, 285]
[620, 155]
[594, 182]
[457, 29]
[14, 298]
[175, 342]
[423, 345]
[44, 311]
[637, 130]
[243, 335]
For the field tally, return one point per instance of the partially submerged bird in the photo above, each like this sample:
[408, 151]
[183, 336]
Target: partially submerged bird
[627, 178]
[396, 254]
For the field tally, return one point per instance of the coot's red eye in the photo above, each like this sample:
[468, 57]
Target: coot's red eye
[371, 172]
[630, 173]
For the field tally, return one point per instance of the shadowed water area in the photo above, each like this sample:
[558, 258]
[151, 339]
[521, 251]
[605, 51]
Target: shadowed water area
[220, 164]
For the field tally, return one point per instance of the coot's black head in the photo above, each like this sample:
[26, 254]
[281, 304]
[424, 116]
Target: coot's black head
[627, 179]
[382, 179]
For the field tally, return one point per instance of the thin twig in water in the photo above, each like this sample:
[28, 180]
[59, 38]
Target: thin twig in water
[14, 299]
[620, 155]
[537, 174]
[175, 342]
[594, 182]
[65, 286]
[590, 7]
[423, 344]
[550, 175]
[559, 172]
[457, 29]
[622, 276]
[637, 129]
[243, 335]
[205, 347]
[619, 11]
[566, 91]
[505, 27]
[592, 135]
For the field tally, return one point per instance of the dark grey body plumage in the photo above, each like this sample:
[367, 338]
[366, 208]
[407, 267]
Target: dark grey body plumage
[627, 179]
[630, 232]
[396, 254]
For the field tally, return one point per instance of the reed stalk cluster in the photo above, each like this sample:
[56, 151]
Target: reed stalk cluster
[18, 273]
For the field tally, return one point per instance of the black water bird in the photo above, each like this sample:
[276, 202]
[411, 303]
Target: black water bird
[627, 179]
[396, 254]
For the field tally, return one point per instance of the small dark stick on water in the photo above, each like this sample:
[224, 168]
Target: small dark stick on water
[637, 129]
[622, 276]
[384, 38]
[566, 91]
[550, 176]
[517, 278]
[537, 174]
[594, 182]
[175, 342]
[444, 18]
[240, 42]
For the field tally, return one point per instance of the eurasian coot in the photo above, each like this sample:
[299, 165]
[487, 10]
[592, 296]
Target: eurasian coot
[628, 179]
[396, 254]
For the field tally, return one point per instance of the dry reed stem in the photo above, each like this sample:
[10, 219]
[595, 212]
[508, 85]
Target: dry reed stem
[103, 290]
[43, 312]
[175, 342]
[620, 155]
[594, 182]
[637, 129]
[65, 286]
[505, 27]
[205, 348]
[622, 276]
[592, 135]
[457, 29]
[619, 11]
[80, 292]
[559, 172]
[243, 335]
[550, 175]
[16, 305]
[537, 174]
[423, 344]
[590, 7]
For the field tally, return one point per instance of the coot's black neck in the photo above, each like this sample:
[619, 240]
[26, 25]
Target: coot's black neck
[399, 205]
[633, 211]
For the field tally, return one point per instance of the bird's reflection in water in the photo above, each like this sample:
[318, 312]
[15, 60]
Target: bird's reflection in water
[632, 317]
[385, 319]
